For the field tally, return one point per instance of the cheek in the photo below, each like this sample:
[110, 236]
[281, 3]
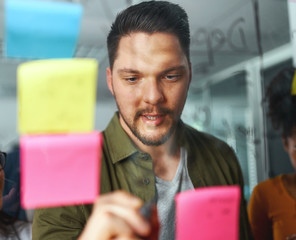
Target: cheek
[126, 97]
[293, 158]
[126, 100]
[178, 98]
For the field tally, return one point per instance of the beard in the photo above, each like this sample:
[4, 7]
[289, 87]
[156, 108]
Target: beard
[144, 138]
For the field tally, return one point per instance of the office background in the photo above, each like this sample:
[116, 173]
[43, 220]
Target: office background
[237, 47]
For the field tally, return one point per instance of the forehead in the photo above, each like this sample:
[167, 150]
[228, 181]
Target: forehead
[159, 48]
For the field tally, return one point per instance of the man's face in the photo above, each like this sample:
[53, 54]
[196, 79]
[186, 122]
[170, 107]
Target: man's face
[149, 80]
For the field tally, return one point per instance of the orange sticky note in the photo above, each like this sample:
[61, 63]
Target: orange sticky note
[58, 170]
[208, 213]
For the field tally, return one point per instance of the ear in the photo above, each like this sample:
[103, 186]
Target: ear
[109, 79]
[190, 72]
[285, 143]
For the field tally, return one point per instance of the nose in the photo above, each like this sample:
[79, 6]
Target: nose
[153, 92]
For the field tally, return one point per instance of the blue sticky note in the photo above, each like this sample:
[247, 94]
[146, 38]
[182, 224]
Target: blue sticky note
[40, 29]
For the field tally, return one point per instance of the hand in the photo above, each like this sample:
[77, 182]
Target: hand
[11, 201]
[291, 237]
[116, 216]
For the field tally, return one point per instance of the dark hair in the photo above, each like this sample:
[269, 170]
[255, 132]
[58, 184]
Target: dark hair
[7, 221]
[281, 104]
[149, 17]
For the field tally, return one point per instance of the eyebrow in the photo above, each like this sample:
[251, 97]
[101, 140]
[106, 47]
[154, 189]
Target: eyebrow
[127, 70]
[181, 67]
[130, 70]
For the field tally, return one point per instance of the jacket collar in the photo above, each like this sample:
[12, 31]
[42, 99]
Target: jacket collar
[121, 146]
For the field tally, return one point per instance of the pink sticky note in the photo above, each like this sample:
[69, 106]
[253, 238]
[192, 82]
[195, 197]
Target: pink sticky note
[208, 213]
[58, 170]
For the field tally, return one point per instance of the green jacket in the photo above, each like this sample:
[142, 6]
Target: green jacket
[210, 162]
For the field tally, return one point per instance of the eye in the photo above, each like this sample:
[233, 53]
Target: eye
[172, 77]
[131, 79]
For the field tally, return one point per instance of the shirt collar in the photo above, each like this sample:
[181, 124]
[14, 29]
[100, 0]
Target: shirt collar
[119, 144]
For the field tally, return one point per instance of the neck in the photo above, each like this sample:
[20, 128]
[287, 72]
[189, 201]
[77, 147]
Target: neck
[169, 148]
[165, 158]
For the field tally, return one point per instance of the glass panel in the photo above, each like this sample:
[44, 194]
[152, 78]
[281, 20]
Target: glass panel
[223, 110]
[237, 46]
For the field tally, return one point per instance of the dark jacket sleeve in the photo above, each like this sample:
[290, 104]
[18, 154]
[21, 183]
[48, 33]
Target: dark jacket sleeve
[245, 231]
[215, 163]
[234, 176]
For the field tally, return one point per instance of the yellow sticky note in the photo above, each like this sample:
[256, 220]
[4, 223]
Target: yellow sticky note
[57, 96]
[293, 90]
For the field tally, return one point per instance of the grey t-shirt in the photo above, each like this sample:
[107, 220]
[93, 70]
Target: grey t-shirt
[24, 231]
[166, 191]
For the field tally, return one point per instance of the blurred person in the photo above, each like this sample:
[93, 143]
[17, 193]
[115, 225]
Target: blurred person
[271, 208]
[11, 191]
[148, 152]
[11, 228]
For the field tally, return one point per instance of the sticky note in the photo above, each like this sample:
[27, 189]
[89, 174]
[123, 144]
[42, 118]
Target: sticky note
[208, 213]
[293, 89]
[59, 170]
[41, 29]
[57, 95]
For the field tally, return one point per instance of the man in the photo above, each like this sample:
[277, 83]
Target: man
[148, 152]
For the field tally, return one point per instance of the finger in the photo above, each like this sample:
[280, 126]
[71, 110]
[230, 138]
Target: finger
[105, 229]
[122, 229]
[127, 238]
[120, 197]
[125, 206]
[130, 215]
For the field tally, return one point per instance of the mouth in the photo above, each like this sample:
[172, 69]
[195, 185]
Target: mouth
[153, 119]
